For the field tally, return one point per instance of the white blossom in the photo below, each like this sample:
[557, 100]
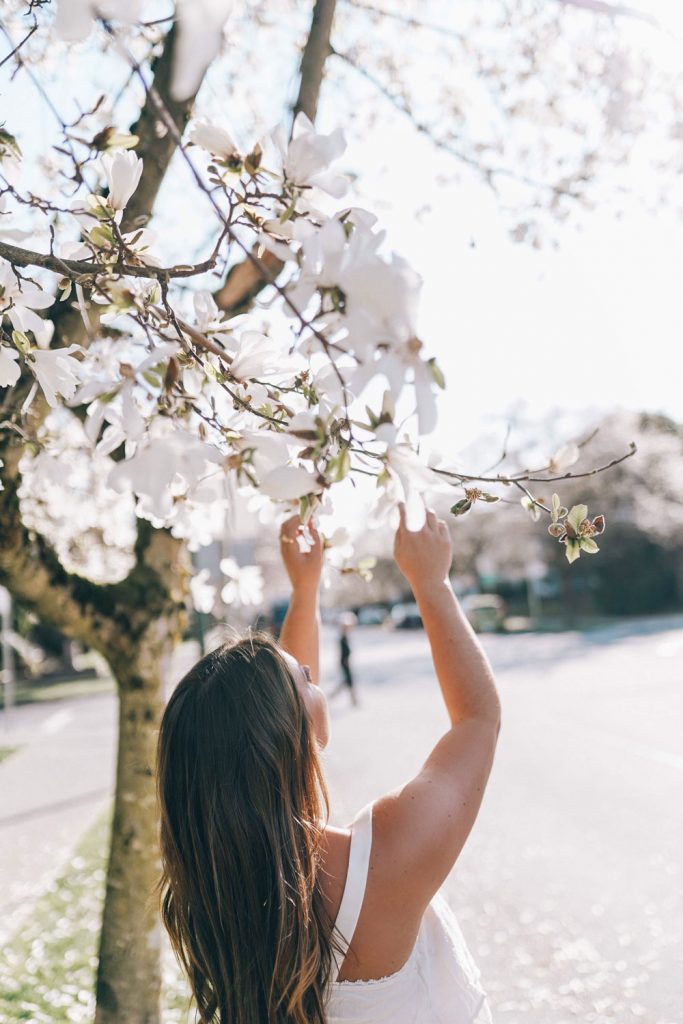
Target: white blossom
[564, 458]
[57, 372]
[213, 139]
[203, 592]
[244, 583]
[10, 370]
[309, 154]
[286, 483]
[414, 478]
[201, 24]
[259, 355]
[18, 299]
[122, 169]
[164, 468]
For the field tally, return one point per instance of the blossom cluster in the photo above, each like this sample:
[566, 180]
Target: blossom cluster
[269, 402]
[324, 378]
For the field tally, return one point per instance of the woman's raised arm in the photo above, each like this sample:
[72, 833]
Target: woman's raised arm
[300, 634]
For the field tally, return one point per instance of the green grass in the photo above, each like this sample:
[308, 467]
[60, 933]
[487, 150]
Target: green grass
[47, 969]
[6, 752]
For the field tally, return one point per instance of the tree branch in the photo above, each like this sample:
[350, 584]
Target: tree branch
[533, 476]
[156, 145]
[85, 268]
[315, 53]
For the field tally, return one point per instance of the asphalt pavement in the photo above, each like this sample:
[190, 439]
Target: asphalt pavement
[569, 889]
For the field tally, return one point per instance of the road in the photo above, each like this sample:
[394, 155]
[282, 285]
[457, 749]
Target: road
[569, 890]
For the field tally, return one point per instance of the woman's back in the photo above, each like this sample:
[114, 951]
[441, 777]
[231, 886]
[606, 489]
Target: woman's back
[437, 981]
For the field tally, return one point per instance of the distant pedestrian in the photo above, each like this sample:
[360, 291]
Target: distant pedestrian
[346, 623]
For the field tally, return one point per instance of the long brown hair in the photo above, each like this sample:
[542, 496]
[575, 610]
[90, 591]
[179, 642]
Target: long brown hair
[242, 796]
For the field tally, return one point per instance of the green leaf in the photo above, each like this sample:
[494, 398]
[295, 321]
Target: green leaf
[21, 341]
[576, 516]
[489, 498]
[339, 466]
[573, 550]
[437, 373]
[588, 545]
[461, 507]
[556, 507]
[101, 235]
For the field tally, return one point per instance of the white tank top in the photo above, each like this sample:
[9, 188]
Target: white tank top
[439, 982]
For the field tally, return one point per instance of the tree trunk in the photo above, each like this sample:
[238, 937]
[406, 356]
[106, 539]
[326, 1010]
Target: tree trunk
[129, 972]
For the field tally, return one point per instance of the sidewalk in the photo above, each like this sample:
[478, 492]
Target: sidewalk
[51, 791]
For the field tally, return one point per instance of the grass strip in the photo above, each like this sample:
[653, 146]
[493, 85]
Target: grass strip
[47, 969]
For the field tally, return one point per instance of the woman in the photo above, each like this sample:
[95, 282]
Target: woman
[277, 916]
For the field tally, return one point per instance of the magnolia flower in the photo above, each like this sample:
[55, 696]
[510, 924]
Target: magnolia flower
[18, 299]
[245, 583]
[201, 24]
[203, 592]
[213, 139]
[123, 169]
[414, 477]
[258, 355]
[57, 372]
[163, 468]
[286, 483]
[564, 458]
[10, 370]
[307, 157]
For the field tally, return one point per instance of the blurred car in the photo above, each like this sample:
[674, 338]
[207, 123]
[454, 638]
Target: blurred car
[371, 615]
[485, 612]
[406, 616]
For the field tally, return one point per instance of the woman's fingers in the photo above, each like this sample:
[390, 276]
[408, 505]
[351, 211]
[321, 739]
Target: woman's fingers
[431, 518]
[402, 513]
[289, 529]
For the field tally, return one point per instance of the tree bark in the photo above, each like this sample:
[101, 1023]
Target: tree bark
[129, 969]
[316, 52]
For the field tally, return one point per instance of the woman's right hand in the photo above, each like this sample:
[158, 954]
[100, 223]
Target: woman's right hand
[423, 556]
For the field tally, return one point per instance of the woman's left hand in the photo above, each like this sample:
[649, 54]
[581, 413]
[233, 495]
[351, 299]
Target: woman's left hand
[303, 567]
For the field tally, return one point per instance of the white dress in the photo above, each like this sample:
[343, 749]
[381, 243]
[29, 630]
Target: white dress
[438, 984]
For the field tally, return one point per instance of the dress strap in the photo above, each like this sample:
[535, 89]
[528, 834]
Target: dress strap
[356, 881]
